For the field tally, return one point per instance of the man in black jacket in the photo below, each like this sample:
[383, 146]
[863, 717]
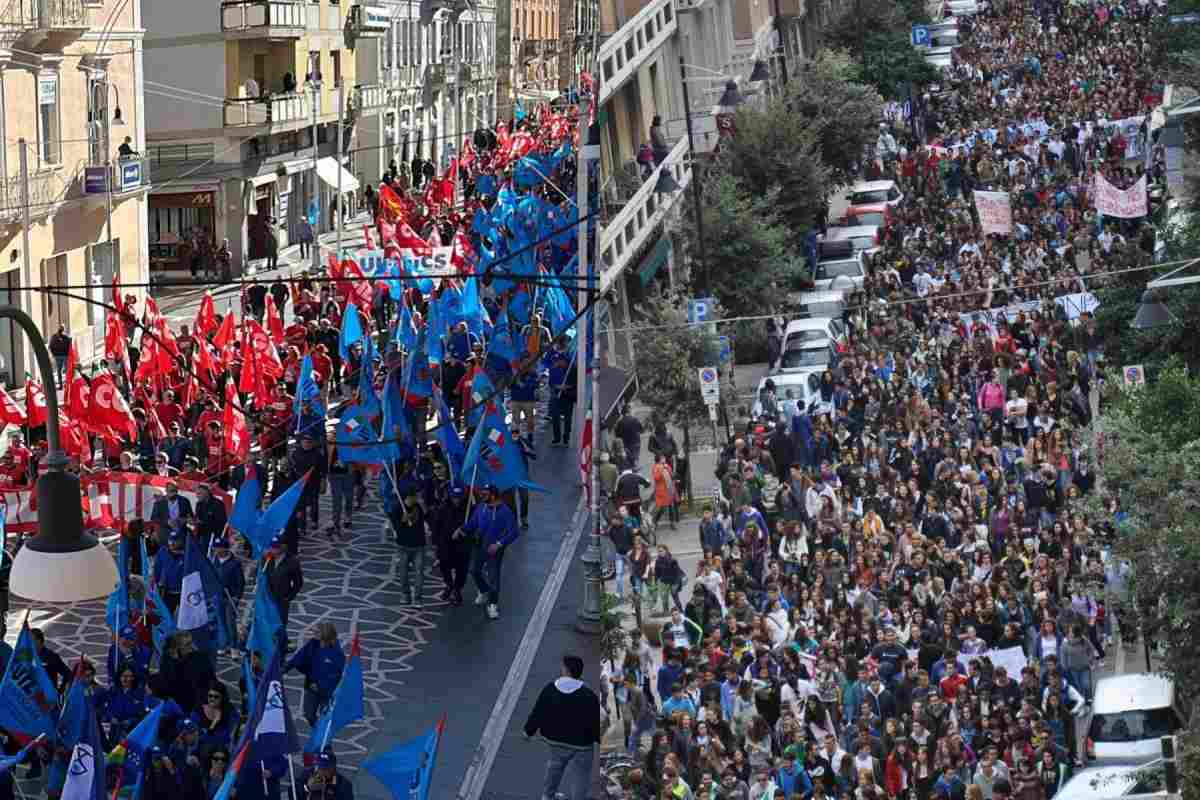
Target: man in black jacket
[210, 515]
[285, 578]
[408, 524]
[567, 715]
[309, 458]
[453, 553]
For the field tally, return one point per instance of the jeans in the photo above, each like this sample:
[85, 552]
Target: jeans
[568, 770]
[485, 569]
[412, 567]
[1081, 679]
[341, 486]
[60, 366]
[523, 504]
[619, 578]
[310, 506]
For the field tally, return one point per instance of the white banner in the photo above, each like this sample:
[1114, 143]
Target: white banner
[995, 212]
[1121, 203]
[1011, 658]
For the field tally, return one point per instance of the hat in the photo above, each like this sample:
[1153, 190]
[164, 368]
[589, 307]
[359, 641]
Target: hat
[325, 759]
[457, 492]
[276, 541]
[188, 725]
[127, 632]
[174, 536]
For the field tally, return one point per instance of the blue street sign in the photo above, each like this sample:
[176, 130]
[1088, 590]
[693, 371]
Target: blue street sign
[95, 180]
[131, 174]
[700, 309]
[920, 36]
[726, 349]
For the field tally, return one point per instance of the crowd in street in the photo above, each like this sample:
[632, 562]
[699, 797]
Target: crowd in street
[904, 594]
[401, 376]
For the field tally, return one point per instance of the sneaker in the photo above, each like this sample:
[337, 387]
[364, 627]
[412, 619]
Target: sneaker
[480, 599]
[492, 611]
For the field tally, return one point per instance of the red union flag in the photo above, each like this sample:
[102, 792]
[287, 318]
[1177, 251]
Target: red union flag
[10, 412]
[109, 409]
[35, 403]
[585, 457]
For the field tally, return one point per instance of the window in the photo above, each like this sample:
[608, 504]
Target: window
[314, 65]
[49, 138]
[336, 55]
[101, 267]
[55, 309]
[97, 115]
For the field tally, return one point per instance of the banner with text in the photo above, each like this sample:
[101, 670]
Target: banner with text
[1121, 203]
[995, 212]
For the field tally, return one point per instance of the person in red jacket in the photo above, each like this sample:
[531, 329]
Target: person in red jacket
[168, 410]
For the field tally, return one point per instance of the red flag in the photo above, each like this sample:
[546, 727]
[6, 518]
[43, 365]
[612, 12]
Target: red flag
[205, 363]
[392, 206]
[585, 457]
[109, 409]
[148, 365]
[462, 256]
[114, 343]
[355, 287]
[520, 146]
[237, 437]
[264, 350]
[407, 239]
[468, 153]
[158, 431]
[35, 403]
[77, 394]
[206, 316]
[10, 412]
[368, 240]
[117, 300]
[274, 321]
[226, 333]
[74, 440]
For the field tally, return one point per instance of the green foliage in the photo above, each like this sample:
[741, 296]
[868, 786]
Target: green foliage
[1150, 459]
[890, 61]
[775, 150]
[668, 356]
[886, 59]
[1125, 345]
[838, 112]
[614, 639]
[744, 252]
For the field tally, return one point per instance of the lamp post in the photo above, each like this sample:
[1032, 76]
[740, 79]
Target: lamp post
[700, 280]
[315, 86]
[109, 121]
[62, 564]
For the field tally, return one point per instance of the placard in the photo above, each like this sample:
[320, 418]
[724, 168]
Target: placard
[995, 212]
[1120, 203]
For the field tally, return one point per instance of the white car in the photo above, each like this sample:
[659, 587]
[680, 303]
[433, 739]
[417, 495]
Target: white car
[963, 8]
[813, 329]
[940, 62]
[1109, 783]
[839, 258]
[806, 356]
[862, 237]
[1131, 714]
[865, 193]
[805, 389]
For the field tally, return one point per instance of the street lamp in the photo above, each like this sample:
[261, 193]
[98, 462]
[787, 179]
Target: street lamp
[62, 564]
[760, 72]
[1153, 311]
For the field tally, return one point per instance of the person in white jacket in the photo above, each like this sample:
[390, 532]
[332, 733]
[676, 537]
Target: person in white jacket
[793, 547]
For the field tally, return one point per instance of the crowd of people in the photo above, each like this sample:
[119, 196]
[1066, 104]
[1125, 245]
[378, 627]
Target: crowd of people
[335, 384]
[917, 609]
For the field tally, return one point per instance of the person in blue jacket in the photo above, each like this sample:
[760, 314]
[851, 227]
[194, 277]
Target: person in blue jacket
[124, 705]
[127, 653]
[792, 778]
[493, 527]
[320, 661]
[168, 571]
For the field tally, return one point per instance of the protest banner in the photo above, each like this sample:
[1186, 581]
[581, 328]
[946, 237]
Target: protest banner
[995, 212]
[1120, 203]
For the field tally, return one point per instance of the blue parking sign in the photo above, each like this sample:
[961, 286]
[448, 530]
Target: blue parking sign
[700, 309]
[920, 36]
[725, 349]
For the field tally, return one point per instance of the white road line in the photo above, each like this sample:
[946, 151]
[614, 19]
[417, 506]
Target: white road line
[506, 702]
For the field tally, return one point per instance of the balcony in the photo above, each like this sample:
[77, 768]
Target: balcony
[46, 191]
[276, 20]
[638, 39]
[626, 233]
[369, 21]
[278, 113]
[128, 176]
[43, 26]
[369, 97]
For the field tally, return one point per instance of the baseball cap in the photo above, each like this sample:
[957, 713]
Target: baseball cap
[127, 632]
[325, 759]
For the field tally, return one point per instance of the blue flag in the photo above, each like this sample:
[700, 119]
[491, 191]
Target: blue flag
[266, 624]
[406, 328]
[85, 771]
[448, 436]
[116, 612]
[357, 440]
[139, 740]
[155, 606]
[249, 679]
[472, 307]
[28, 701]
[483, 391]
[435, 332]
[352, 331]
[407, 768]
[307, 392]
[246, 506]
[279, 513]
[494, 458]
[367, 397]
[346, 706]
[204, 608]
[9, 762]
[395, 433]
[270, 730]
[418, 372]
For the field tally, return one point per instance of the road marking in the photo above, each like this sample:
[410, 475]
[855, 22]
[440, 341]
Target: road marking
[484, 757]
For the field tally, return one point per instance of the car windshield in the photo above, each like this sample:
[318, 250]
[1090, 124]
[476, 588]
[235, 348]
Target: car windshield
[798, 358]
[1132, 726]
[866, 198]
[862, 242]
[832, 269]
[869, 218]
[796, 338]
[820, 310]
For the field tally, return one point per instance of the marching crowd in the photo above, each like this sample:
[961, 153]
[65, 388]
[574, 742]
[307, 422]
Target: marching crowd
[907, 595]
[404, 358]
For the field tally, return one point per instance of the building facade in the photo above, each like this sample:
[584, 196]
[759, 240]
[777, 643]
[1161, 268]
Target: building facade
[242, 114]
[74, 205]
[413, 61]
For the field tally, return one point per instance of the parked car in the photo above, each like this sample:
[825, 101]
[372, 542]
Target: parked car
[813, 329]
[839, 259]
[880, 215]
[804, 386]
[872, 192]
[1110, 783]
[862, 237]
[1130, 715]
[826, 304]
[809, 356]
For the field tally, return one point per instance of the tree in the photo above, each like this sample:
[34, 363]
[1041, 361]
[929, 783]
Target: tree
[830, 105]
[743, 258]
[1150, 460]
[775, 151]
[1151, 348]
[889, 62]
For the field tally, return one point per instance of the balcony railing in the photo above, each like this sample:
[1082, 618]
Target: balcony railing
[280, 109]
[275, 19]
[637, 40]
[46, 189]
[628, 230]
[370, 97]
[42, 24]
[127, 175]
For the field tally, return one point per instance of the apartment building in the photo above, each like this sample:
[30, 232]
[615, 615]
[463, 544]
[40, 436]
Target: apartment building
[74, 205]
[243, 105]
[427, 105]
[649, 50]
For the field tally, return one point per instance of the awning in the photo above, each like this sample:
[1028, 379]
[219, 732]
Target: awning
[328, 169]
[263, 180]
[654, 260]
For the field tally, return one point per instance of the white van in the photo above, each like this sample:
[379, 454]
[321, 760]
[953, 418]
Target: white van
[1130, 715]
